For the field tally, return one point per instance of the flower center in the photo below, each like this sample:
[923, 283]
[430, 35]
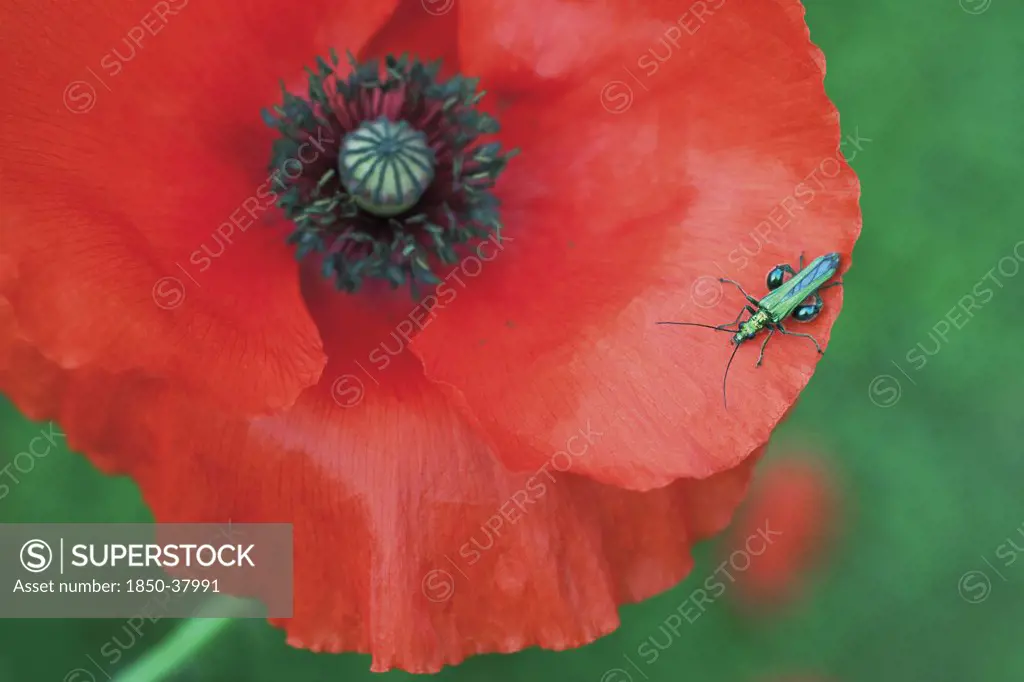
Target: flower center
[383, 172]
[386, 166]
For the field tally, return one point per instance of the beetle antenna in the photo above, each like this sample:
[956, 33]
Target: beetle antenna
[726, 375]
[719, 328]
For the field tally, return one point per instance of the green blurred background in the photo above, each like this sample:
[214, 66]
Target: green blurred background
[929, 456]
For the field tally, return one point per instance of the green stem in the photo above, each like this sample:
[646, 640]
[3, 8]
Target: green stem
[184, 642]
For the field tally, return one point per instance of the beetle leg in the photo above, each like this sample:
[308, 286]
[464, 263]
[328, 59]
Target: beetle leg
[789, 333]
[818, 304]
[736, 321]
[745, 294]
[760, 357]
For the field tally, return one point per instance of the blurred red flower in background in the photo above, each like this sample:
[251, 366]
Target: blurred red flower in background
[796, 502]
[536, 451]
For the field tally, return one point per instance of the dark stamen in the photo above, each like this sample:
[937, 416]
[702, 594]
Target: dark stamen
[383, 172]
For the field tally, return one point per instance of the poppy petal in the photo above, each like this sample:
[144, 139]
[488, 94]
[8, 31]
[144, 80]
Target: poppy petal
[128, 207]
[409, 534]
[427, 32]
[618, 218]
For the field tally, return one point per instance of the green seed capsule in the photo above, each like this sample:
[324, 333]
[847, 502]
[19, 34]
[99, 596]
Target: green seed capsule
[386, 166]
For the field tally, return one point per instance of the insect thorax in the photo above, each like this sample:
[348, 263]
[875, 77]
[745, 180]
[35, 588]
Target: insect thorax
[750, 327]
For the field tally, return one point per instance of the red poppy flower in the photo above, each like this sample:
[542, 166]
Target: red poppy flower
[792, 511]
[527, 421]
